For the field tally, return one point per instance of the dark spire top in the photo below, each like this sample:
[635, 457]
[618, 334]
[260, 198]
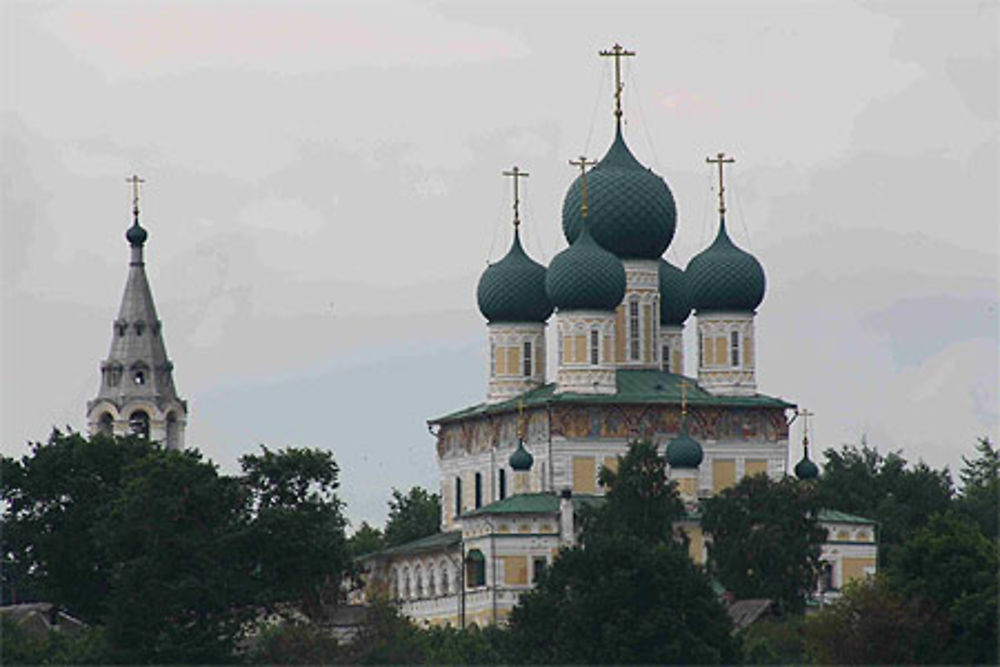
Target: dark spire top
[675, 298]
[806, 469]
[684, 451]
[136, 235]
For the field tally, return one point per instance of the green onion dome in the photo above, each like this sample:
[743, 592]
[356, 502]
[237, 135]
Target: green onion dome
[630, 210]
[684, 451]
[585, 276]
[723, 277]
[513, 289]
[675, 302]
[521, 459]
[136, 235]
[806, 469]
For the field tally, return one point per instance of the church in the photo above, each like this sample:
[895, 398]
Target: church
[516, 468]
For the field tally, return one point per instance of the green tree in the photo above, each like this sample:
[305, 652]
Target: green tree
[899, 496]
[980, 497]
[180, 589]
[295, 535]
[765, 540]
[775, 641]
[412, 516]
[55, 498]
[629, 593]
[951, 564]
[365, 540]
[872, 624]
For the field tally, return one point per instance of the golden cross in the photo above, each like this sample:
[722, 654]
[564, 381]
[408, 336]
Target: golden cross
[516, 174]
[617, 52]
[720, 160]
[520, 414]
[582, 163]
[135, 181]
[684, 384]
[805, 414]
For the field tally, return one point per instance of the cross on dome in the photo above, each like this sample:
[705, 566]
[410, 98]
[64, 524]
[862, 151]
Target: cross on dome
[617, 52]
[721, 160]
[516, 174]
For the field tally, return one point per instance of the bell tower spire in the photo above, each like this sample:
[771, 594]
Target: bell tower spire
[137, 393]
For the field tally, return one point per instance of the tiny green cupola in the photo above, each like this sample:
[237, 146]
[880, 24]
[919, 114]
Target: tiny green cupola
[805, 469]
[521, 460]
[684, 456]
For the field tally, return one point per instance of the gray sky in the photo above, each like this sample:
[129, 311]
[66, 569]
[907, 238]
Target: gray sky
[324, 190]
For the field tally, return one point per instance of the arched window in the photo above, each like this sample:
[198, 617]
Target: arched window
[734, 348]
[665, 361]
[527, 359]
[502, 483]
[633, 329]
[139, 423]
[479, 490]
[475, 569]
[105, 425]
[595, 347]
[493, 359]
[418, 588]
[445, 583]
[407, 589]
[432, 590]
[458, 496]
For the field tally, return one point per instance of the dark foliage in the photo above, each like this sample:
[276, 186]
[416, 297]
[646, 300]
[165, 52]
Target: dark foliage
[412, 516]
[765, 540]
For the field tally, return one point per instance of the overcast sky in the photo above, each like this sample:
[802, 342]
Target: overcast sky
[323, 191]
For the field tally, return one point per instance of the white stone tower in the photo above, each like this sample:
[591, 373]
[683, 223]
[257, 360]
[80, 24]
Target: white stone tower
[137, 393]
[726, 286]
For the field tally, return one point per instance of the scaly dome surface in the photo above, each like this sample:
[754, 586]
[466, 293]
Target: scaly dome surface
[513, 289]
[675, 302]
[723, 277]
[630, 210]
[585, 276]
[684, 451]
[521, 459]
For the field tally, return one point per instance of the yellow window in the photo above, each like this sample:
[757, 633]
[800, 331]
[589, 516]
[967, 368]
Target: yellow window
[647, 333]
[721, 351]
[855, 568]
[514, 360]
[608, 348]
[696, 543]
[611, 463]
[501, 361]
[723, 474]
[677, 361]
[567, 349]
[580, 349]
[620, 333]
[584, 480]
[748, 352]
[755, 467]
[540, 360]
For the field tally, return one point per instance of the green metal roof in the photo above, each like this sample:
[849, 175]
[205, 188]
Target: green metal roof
[533, 503]
[630, 210]
[835, 516]
[635, 386]
[434, 542]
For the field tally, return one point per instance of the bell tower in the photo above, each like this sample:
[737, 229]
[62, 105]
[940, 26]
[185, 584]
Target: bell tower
[137, 393]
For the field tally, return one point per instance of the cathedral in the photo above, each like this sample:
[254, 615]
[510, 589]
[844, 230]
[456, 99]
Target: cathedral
[516, 468]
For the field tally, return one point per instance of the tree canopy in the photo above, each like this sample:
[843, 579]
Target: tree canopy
[629, 593]
[412, 516]
[170, 557]
[765, 540]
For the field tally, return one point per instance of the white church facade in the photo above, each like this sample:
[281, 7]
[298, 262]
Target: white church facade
[516, 468]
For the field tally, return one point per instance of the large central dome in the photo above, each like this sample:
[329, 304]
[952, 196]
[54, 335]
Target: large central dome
[630, 210]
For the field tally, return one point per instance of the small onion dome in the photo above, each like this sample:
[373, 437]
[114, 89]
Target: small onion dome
[136, 235]
[630, 210]
[684, 451]
[675, 302]
[806, 469]
[513, 289]
[521, 459]
[585, 276]
[723, 277]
